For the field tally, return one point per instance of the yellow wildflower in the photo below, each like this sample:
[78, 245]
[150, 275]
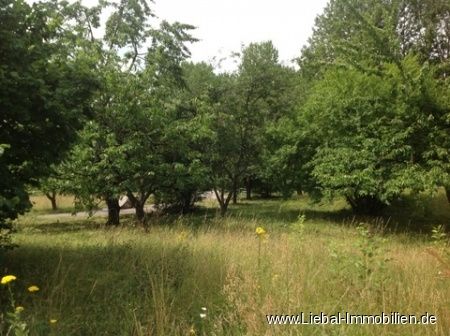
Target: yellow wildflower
[33, 289]
[53, 321]
[7, 279]
[260, 231]
[19, 309]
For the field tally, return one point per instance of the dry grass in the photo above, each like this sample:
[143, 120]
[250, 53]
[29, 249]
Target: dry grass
[127, 282]
[42, 204]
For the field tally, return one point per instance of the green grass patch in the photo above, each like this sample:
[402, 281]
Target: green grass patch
[129, 281]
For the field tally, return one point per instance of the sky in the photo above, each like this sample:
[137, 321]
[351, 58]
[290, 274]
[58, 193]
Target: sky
[223, 26]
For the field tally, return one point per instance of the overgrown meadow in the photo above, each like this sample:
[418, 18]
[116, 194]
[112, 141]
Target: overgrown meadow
[201, 274]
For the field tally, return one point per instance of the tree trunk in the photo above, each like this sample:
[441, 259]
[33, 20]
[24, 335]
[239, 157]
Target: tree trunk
[139, 204]
[52, 197]
[140, 213]
[188, 201]
[223, 202]
[223, 209]
[113, 211]
[248, 188]
[447, 192]
[54, 206]
[235, 192]
[366, 205]
[266, 193]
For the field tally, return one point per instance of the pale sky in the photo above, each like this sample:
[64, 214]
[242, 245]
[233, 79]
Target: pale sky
[224, 25]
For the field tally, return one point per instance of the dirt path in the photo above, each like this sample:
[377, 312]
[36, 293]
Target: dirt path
[98, 213]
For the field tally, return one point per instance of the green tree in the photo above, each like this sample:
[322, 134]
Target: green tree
[95, 166]
[185, 176]
[125, 149]
[52, 186]
[225, 149]
[45, 86]
[358, 153]
[242, 114]
[423, 29]
[362, 149]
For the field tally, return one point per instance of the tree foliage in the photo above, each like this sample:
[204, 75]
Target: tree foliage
[132, 144]
[45, 86]
[375, 108]
[366, 117]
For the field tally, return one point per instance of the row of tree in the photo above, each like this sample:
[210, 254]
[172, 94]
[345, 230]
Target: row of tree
[366, 116]
[175, 129]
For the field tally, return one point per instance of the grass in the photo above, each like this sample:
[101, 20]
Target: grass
[126, 281]
[41, 204]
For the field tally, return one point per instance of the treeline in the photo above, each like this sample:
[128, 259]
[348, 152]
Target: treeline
[365, 115]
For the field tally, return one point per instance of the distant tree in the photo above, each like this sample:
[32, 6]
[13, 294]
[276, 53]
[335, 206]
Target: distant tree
[52, 186]
[185, 176]
[276, 169]
[233, 114]
[424, 30]
[225, 152]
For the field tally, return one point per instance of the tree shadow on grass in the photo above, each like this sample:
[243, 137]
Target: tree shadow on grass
[418, 214]
[62, 226]
[69, 224]
[409, 214]
[277, 210]
[273, 210]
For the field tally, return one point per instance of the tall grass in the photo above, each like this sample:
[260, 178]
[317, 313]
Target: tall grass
[126, 281]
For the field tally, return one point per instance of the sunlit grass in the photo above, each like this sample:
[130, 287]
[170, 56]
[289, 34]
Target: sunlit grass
[41, 204]
[127, 281]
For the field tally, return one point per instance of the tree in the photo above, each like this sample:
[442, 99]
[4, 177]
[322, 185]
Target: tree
[51, 186]
[91, 173]
[237, 112]
[275, 170]
[225, 151]
[93, 166]
[184, 177]
[361, 150]
[45, 86]
[124, 149]
[235, 109]
[356, 32]
[424, 29]
[263, 85]
[352, 32]
[374, 132]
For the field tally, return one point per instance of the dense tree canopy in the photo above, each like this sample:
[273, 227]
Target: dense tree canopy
[365, 117]
[129, 146]
[377, 104]
[45, 85]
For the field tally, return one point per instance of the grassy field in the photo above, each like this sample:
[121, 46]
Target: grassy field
[204, 275]
[41, 204]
